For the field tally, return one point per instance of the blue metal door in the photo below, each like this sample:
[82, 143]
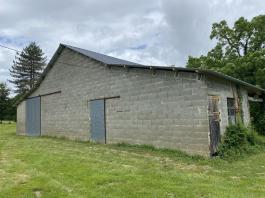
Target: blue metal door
[33, 121]
[97, 121]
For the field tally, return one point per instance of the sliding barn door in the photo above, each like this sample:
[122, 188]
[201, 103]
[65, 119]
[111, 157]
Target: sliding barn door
[97, 121]
[33, 119]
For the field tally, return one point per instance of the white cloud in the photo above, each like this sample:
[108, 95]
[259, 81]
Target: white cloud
[155, 32]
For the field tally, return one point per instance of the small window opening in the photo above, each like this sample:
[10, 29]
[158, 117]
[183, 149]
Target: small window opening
[231, 110]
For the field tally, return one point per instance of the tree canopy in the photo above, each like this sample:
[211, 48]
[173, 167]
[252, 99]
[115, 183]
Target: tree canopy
[4, 101]
[239, 51]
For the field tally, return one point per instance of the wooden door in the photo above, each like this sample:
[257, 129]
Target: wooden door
[214, 123]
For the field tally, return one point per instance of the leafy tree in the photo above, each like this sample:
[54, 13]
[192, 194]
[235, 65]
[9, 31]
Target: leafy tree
[12, 108]
[239, 52]
[4, 93]
[27, 68]
[246, 36]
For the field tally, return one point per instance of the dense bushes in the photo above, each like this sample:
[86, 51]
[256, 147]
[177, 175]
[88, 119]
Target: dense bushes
[258, 117]
[237, 140]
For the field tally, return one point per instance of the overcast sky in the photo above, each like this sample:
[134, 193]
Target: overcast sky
[153, 32]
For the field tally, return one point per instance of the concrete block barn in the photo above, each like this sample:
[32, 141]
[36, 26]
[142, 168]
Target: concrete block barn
[85, 95]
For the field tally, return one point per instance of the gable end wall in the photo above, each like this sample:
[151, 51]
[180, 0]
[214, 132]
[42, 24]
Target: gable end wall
[224, 89]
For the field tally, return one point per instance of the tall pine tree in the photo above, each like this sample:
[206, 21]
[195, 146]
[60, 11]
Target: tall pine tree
[27, 68]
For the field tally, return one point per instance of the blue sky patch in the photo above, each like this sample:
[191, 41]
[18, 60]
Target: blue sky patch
[139, 47]
[17, 41]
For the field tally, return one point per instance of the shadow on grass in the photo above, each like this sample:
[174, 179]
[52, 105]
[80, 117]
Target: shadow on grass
[163, 152]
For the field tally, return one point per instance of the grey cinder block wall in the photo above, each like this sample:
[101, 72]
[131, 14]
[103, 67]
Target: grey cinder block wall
[167, 109]
[164, 109]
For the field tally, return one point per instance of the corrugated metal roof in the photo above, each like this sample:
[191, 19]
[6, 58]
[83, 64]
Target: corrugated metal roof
[115, 61]
[108, 60]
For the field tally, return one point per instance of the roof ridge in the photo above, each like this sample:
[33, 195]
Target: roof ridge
[109, 60]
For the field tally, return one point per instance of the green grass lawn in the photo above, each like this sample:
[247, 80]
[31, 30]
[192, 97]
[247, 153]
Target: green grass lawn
[49, 167]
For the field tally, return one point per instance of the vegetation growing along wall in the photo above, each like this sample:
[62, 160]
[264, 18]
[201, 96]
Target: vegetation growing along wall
[238, 140]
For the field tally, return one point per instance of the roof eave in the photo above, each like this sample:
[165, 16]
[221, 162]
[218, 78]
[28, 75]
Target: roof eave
[237, 81]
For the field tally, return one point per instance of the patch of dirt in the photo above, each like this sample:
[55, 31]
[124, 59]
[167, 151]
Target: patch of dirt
[21, 178]
[37, 193]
